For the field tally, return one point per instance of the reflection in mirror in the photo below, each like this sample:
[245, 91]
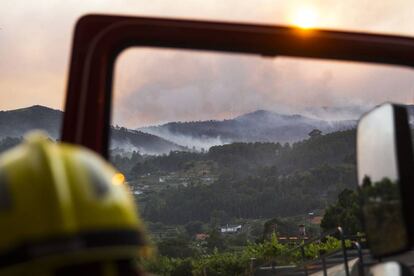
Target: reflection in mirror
[379, 181]
[389, 269]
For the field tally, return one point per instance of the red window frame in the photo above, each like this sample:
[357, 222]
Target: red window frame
[98, 39]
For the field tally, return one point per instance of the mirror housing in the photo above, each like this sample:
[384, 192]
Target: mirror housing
[385, 178]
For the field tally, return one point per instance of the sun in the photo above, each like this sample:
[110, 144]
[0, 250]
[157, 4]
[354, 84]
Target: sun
[305, 17]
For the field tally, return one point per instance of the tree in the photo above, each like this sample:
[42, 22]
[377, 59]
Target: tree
[215, 240]
[345, 212]
[279, 227]
[315, 133]
[177, 247]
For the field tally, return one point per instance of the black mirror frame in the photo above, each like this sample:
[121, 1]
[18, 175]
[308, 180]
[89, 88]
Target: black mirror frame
[405, 168]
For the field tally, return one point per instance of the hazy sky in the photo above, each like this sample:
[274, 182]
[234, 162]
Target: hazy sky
[35, 40]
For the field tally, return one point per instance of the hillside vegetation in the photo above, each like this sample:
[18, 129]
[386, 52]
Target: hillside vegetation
[243, 180]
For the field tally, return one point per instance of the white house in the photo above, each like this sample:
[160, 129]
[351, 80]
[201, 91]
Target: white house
[230, 228]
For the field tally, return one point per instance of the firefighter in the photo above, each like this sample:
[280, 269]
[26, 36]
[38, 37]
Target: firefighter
[65, 211]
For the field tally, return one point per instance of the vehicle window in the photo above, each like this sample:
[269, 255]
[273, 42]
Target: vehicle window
[225, 152]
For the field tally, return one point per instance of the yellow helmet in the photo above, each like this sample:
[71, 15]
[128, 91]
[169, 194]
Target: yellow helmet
[63, 205]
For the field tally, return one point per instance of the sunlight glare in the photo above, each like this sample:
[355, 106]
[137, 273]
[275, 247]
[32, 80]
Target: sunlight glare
[305, 17]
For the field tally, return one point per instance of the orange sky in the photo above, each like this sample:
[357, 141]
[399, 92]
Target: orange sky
[35, 36]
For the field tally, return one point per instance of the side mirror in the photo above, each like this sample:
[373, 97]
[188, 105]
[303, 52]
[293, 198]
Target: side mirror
[385, 178]
[389, 269]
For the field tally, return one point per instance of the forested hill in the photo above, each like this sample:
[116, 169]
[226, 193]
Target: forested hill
[251, 180]
[244, 158]
[330, 149]
[258, 126]
[130, 140]
[16, 123]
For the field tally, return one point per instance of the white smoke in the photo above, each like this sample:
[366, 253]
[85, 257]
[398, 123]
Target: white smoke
[198, 144]
[125, 148]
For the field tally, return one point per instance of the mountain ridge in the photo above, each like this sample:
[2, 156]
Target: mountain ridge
[17, 122]
[256, 126]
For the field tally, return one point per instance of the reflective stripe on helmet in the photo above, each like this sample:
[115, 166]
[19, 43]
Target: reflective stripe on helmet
[53, 247]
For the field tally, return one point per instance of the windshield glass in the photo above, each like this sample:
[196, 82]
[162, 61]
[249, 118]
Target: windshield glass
[229, 153]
